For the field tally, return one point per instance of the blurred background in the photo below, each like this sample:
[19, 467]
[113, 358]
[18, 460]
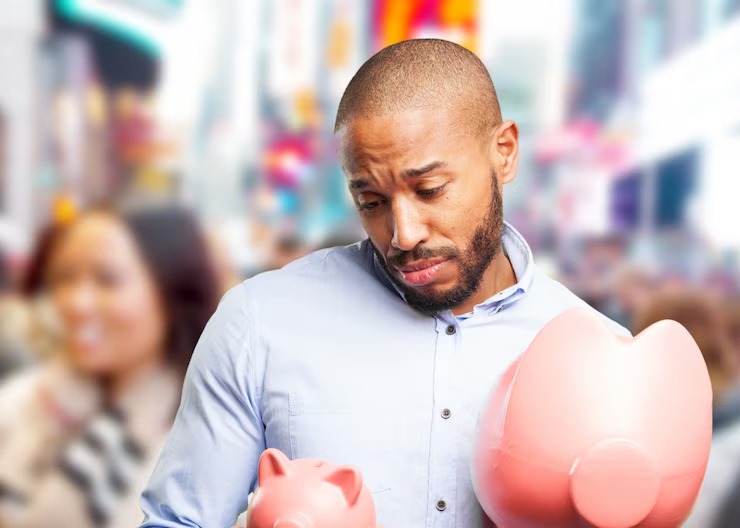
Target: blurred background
[629, 112]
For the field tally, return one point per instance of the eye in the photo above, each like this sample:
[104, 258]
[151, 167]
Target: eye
[369, 203]
[61, 276]
[428, 193]
[370, 206]
[108, 278]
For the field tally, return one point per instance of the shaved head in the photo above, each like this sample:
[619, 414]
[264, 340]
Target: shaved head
[423, 73]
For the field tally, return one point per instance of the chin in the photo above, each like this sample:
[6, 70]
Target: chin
[91, 363]
[438, 288]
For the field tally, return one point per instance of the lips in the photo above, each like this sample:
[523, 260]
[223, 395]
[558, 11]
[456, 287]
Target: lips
[86, 337]
[421, 273]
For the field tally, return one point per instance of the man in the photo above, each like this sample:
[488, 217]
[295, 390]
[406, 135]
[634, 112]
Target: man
[380, 354]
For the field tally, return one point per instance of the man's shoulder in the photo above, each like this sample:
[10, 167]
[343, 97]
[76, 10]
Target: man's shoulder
[318, 285]
[335, 263]
[358, 254]
[556, 298]
[543, 285]
[320, 276]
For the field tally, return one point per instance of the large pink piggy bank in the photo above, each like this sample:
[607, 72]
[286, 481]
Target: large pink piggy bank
[591, 429]
[309, 493]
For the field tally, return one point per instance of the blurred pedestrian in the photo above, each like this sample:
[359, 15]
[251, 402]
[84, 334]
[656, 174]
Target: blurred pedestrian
[133, 290]
[703, 317]
[731, 309]
[726, 447]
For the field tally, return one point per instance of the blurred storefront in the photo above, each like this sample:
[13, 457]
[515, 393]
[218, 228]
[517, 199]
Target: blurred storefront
[627, 113]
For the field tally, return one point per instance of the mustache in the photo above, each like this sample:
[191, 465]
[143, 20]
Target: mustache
[421, 253]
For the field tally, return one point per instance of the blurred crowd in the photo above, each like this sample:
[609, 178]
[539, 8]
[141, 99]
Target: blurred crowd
[155, 153]
[98, 325]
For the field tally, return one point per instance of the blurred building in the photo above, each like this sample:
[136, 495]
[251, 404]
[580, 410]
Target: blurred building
[651, 134]
[627, 113]
[599, 53]
[21, 26]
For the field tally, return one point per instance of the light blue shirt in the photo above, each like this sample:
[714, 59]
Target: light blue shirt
[324, 359]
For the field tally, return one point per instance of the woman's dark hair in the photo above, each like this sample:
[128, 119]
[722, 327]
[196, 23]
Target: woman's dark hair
[175, 251]
[33, 280]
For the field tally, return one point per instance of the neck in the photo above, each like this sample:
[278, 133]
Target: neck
[497, 277]
[120, 382]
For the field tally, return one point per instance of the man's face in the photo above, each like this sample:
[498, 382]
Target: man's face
[430, 201]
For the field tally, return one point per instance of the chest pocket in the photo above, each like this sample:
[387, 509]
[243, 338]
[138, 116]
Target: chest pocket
[388, 442]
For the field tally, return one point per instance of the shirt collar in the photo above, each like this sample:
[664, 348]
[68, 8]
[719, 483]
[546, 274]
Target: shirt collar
[520, 256]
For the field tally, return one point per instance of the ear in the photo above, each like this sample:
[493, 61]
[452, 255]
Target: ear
[504, 151]
[273, 463]
[349, 481]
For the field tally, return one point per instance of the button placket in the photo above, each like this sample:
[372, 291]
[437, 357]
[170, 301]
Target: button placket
[444, 447]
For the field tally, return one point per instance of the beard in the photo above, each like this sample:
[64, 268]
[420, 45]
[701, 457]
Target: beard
[478, 254]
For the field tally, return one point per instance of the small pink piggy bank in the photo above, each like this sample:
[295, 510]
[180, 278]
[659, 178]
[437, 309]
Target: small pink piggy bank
[591, 429]
[309, 493]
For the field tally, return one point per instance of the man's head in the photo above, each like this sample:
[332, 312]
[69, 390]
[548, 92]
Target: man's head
[426, 153]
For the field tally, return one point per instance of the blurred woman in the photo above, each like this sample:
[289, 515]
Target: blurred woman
[79, 436]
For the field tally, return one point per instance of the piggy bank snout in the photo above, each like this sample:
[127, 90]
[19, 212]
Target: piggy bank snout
[615, 484]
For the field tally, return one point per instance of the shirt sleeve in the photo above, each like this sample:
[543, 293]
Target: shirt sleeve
[209, 464]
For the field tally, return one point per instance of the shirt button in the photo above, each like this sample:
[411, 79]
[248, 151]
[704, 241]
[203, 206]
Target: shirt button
[446, 413]
[450, 330]
[441, 505]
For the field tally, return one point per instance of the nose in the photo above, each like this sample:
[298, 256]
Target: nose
[80, 300]
[409, 227]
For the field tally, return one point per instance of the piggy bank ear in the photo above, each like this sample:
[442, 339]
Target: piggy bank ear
[349, 481]
[273, 463]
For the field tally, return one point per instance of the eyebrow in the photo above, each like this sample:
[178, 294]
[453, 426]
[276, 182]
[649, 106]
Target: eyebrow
[413, 173]
[360, 183]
